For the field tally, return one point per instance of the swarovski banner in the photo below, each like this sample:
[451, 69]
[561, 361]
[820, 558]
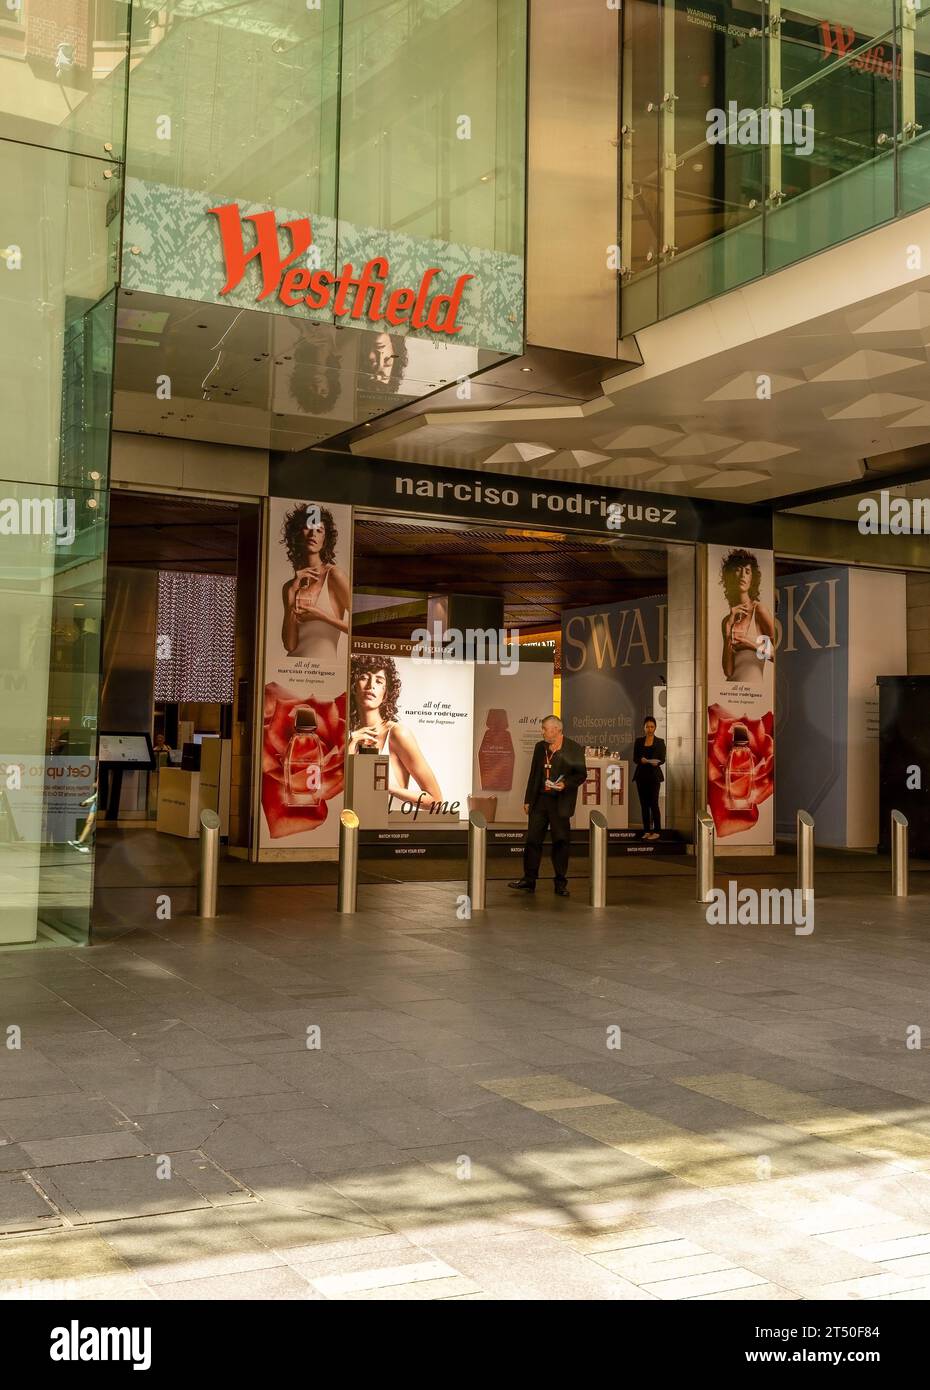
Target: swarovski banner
[838, 630]
[613, 657]
[740, 626]
[307, 607]
[812, 681]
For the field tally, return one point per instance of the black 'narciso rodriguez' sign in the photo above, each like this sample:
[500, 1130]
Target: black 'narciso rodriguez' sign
[467, 494]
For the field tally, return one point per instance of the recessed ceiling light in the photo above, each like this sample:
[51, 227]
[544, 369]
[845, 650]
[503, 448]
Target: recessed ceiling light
[526, 369]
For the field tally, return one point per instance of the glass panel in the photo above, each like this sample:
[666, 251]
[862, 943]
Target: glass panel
[56, 337]
[227, 104]
[640, 211]
[914, 158]
[432, 149]
[63, 73]
[718, 55]
[834, 177]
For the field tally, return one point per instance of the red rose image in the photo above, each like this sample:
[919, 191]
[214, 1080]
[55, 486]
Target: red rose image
[277, 731]
[740, 768]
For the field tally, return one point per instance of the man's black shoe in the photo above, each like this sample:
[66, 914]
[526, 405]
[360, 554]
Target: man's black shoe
[562, 890]
[523, 885]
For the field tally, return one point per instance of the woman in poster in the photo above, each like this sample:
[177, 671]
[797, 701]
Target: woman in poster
[748, 623]
[375, 687]
[316, 600]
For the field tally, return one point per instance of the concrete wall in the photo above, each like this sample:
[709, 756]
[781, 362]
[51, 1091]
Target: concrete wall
[918, 624]
[685, 692]
[183, 464]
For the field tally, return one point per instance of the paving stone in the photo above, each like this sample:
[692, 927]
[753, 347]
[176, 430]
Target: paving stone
[275, 1283]
[590, 1174]
[81, 1148]
[23, 1207]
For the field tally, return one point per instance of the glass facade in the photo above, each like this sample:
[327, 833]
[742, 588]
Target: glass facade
[755, 136]
[351, 115]
[397, 128]
[61, 105]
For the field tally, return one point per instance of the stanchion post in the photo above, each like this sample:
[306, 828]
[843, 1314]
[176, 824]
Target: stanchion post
[899, 834]
[477, 859]
[347, 896]
[597, 852]
[704, 854]
[209, 863]
[806, 853]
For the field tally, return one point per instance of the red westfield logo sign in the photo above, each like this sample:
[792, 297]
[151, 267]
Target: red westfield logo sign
[838, 39]
[298, 284]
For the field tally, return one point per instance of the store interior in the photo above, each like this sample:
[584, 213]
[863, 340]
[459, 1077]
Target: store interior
[179, 674]
[180, 642]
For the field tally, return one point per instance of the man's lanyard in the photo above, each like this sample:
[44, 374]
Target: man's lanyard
[550, 757]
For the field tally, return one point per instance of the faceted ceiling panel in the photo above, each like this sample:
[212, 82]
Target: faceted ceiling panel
[812, 405]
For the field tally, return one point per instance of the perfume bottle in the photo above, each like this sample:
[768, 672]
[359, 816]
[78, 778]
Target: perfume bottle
[496, 756]
[303, 761]
[740, 770]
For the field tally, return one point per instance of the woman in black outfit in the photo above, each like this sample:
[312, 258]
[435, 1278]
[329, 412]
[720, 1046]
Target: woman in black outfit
[649, 755]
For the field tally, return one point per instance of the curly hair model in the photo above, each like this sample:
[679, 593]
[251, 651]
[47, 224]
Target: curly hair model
[374, 692]
[387, 706]
[316, 600]
[299, 523]
[383, 362]
[749, 627]
[316, 384]
[730, 570]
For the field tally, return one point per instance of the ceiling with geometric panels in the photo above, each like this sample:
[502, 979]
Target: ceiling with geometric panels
[822, 401]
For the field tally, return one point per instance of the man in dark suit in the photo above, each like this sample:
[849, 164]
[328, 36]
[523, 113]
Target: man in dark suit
[557, 771]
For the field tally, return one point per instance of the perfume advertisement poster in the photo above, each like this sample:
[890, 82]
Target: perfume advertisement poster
[508, 710]
[420, 712]
[307, 609]
[741, 695]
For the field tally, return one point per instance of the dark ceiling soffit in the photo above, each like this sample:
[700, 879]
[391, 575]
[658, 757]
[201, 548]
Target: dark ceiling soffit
[874, 482]
[403, 410]
[500, 373]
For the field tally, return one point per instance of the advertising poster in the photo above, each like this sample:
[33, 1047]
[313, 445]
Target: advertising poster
[613, 657]
[812, 678]
[419, 712]
[508, 710]
[307, 609]
[741, 695]
[41, 799]
[838, 630]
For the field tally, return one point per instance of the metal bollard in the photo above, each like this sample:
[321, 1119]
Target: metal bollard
[209, 863]
[899, 833]
[806, 852]
[477, 859]
[347, 894]
[597, 850]
[704, 842]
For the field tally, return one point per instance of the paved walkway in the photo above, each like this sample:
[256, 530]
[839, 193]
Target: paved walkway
[546, 1103]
